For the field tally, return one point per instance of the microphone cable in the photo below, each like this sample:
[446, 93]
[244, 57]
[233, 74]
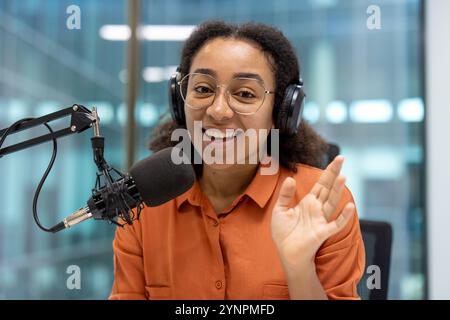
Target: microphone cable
[46, 173]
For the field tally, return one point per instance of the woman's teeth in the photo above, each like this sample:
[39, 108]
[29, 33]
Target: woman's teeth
[218, 134]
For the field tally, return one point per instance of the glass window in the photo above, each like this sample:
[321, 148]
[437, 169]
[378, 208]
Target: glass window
[44, 67]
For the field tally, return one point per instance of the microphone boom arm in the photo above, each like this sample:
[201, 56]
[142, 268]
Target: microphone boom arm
[81, 119]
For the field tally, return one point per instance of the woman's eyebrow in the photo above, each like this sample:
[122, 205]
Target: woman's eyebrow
[213, 73]
[248, 75]
[206, 71]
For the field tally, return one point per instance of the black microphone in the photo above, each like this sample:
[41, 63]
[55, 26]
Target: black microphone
[153, 181]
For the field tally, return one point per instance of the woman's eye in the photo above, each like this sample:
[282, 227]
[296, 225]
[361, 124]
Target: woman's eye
[202, 90]
[245, 94]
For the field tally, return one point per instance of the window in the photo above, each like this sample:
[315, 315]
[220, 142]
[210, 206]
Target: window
[45, 67]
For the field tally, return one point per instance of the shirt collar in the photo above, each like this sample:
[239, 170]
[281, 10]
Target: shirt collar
[193, 196]
[259, 190]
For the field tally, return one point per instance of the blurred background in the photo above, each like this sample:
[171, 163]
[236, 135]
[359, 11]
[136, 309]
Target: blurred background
[365, 92]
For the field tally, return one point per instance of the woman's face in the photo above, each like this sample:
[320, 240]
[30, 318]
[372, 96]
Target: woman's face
[225, 58]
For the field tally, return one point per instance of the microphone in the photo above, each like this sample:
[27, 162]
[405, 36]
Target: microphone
[153, 181]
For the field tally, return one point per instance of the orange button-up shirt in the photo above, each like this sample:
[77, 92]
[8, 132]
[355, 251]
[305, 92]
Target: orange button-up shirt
[183, 249]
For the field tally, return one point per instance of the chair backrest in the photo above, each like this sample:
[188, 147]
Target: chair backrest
[377, 237]
[332, 151]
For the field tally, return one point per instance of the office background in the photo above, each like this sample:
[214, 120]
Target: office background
[365, 92]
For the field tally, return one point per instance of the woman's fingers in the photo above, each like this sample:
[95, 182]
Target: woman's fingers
[337, 225]
[334, 198]
[322, 188]
[286, 195]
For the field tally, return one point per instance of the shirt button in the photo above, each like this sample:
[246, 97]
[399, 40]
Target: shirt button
[215, 223]
[218, 284]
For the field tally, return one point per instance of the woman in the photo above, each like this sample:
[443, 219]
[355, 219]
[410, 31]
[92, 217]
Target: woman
[237, 233]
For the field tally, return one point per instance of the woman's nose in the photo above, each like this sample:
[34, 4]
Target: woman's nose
[220, 109]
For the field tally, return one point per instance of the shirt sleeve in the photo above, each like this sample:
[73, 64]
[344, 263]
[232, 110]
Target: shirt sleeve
[340, 261]
[129, 279]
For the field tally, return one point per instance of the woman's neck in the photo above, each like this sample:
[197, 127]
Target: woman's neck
[226, 184]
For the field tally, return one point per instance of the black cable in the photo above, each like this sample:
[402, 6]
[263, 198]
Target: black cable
[41, 183]
[46, 173]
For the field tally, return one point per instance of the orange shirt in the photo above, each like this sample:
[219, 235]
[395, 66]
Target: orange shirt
[184, 250]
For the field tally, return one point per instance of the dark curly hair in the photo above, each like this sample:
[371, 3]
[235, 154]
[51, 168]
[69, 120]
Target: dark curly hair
[307, 146]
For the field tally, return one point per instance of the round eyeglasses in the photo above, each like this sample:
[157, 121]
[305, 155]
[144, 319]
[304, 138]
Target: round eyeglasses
[244, 95]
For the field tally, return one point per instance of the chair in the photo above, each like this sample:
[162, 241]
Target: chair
[377, 237]
[332, 152]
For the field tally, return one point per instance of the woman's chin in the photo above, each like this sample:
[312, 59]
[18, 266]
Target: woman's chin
[218, 166]
[224, 165]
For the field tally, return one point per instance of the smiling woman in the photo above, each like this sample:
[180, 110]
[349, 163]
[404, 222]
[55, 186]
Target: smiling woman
[238, 233]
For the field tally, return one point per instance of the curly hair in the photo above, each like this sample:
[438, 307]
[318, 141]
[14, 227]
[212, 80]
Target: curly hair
[307, 146]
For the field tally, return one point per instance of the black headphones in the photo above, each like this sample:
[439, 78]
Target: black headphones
[287, 118]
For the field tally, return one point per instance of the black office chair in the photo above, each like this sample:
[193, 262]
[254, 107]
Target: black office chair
[377, 237]
[332, 152]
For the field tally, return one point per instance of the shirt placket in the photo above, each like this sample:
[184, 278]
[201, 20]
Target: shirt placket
[213, 228]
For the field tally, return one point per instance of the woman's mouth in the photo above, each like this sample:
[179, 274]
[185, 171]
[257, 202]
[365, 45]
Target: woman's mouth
[221, 135]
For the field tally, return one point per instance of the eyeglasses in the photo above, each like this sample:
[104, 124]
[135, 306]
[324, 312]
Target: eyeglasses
[244, 95]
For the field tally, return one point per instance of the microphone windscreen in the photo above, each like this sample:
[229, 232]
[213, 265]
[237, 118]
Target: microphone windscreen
[158, 179]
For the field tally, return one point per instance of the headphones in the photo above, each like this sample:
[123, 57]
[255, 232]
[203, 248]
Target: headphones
[287, 117]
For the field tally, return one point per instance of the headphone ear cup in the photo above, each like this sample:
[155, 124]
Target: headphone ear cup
[291, 109]
[282, 114]
[295, 116]
[176, 104]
